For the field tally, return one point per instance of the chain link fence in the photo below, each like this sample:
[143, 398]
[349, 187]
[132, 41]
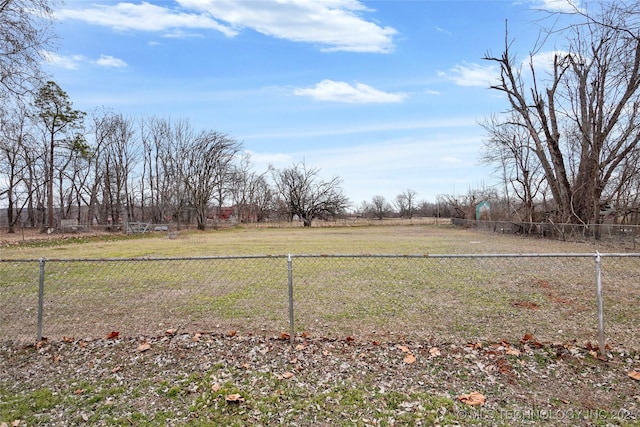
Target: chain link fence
[622, 236]
[445, 298]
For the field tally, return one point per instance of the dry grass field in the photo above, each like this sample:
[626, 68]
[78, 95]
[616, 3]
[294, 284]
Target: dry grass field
[393, 340]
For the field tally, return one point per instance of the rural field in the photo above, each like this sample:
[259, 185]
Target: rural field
[396, 325]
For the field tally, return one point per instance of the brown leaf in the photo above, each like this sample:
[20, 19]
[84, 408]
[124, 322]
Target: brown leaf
[112, 335]
[287, 375]
[305, 334]
[349, 339]
[472, 399]
[67, 339]
[170, 332]
[234, 398]
[232, 333]
[196, 337]
[116, 369]
[635, 375]
[216, 387]
[434, 351]
[284, 336]
[403, 348]
[527, 337]
[375, 342]
[144, 347]
[513, 351]
[300, 347]
[78, 391]
[409, 359]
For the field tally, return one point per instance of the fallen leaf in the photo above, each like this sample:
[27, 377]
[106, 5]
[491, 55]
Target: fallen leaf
[234, 398]
[82, 344]
[305, 334]
[513, 351]
[300, 347]
[285, 336]
[434, 351]
[216, 387]
[527, 337]
[144, 347]
[232, 333]
[112, 335]
[635, 375]
[116, 369]
[375, 342]
[409, 359]
[196, 337]
[245, 366]
[67, 339]
[472, 399]
[349, 339]
[287, 375]
[403, 348]
[170, 332]
[78, 391]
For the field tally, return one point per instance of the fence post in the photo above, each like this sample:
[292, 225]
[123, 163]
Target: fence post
[40, 299]
[601, 343]
[291, 327]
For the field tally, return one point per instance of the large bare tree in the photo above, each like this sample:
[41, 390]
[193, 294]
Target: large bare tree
[583, 112]
[208, 159]
[25, 32]
[306, 195]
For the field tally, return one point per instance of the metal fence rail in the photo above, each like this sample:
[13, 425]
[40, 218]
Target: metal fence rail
[468, 298]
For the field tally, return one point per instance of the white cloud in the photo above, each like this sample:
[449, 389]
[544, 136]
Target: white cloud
[110, 61]
[543, 61]
[330, 90]
[560, 5]
[143, 17]
[70, 62]
[472, 75]
[335, 25]
[443, 31]
[73, 62]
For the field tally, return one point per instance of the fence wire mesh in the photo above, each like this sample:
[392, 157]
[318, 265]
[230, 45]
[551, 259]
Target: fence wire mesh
[446, 298]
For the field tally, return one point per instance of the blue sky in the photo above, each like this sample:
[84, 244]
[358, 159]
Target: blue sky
[387, 95]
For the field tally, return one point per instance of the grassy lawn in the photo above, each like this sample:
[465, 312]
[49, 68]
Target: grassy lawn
[356, 321]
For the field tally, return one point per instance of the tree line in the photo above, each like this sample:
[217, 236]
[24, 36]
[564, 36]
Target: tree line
[108, 169]
[566, 150]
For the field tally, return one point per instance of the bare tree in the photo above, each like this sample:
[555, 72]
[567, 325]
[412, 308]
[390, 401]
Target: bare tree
[250, 192]
[510, 148]
[15, 142]
[25, 31]
[406, 203]
[207, 169]
[306, 195]
[583, 118]
[380, 207]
